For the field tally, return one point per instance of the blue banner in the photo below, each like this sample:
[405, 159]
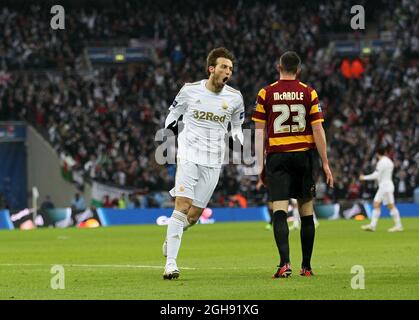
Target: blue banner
[5, 222]
[110, 217]
[405, 209]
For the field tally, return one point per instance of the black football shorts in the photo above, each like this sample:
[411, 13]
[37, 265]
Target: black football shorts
[291, 175]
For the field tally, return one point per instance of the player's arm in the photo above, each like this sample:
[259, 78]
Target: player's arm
[316, 119]
[260, 149]
[237, 121]
[372, 176]
[176, 110]
[260, 117]
[321, 145]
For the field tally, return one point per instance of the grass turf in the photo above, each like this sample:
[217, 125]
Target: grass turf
[221, 261]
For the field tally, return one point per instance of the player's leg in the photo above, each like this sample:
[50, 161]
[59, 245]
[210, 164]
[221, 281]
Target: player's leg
[281, 234]
[295, 215]
[194, 214]
[376, 212]
[303, 188]
[279, 181]
[175, 227]
[394, 212]
[271, 214]
[186, 179]
[207, 182]
[307, 234]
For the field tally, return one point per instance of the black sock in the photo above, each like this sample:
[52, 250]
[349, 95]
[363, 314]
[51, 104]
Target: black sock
[271, 214]
[307, 239]
[281, 232]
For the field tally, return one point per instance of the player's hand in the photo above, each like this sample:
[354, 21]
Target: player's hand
[259, 184]
[329, 176]
[361, 177]
[174, 126]
[262, 179]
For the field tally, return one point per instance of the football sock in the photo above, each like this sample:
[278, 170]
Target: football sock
[281, 233]
[396, 217]
[174, 234]
[307, 239]
[375, 216]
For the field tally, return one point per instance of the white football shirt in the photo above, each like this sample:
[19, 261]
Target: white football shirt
[383, 174]
[206, 116]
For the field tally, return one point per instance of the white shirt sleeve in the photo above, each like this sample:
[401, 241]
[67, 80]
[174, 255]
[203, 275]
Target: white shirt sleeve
[237, 120]
[372, 176]
[237, 117]
[376, 174]
[177, 108]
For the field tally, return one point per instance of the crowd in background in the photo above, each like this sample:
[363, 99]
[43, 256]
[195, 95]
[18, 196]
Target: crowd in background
[106, 120]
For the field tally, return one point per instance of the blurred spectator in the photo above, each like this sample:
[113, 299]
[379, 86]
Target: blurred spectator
[107, 203]
[122, 202]
[47, 203]
[78, 202]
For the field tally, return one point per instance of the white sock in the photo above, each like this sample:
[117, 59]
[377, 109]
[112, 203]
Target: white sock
[174, 235]
[396, 217]
[375, 216]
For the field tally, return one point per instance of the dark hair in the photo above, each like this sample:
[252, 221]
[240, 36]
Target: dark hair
[381, 150]
[290, 62]
[218, 53]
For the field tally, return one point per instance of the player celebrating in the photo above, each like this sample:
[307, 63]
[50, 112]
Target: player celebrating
[289, 112]
[207, 107]
[385, 192]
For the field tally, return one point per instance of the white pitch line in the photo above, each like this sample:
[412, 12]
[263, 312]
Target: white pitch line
[121, 266]
[87, 265]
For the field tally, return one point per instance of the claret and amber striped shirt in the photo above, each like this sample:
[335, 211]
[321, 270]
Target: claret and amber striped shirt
[289, 108]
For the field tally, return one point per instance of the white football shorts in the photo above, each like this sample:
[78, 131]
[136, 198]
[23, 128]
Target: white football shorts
[195, 182]
[385, 197]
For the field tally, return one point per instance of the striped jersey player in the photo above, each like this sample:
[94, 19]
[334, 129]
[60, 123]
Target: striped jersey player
[289, 108]
[289, 114]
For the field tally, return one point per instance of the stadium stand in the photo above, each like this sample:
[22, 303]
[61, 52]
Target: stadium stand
[105, 117]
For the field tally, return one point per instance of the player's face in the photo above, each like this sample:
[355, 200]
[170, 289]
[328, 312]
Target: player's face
[222, 72]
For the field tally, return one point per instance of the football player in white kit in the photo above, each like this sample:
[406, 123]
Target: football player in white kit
[207, 107]
[385, 193]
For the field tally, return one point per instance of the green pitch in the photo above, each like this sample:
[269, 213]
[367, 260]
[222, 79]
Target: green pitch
[221, 261]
